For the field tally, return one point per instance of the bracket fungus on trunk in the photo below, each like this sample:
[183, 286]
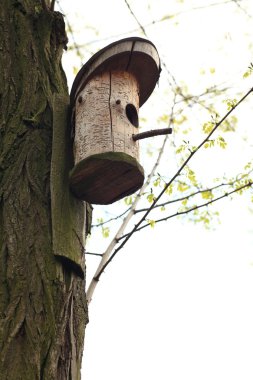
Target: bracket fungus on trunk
[105, 100]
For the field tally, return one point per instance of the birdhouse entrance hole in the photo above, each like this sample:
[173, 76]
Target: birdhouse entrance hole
[132, 115]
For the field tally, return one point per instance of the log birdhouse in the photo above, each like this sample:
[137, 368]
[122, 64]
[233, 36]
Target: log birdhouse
[105, 100]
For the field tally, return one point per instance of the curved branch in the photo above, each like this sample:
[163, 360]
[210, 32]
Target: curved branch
[114, 242]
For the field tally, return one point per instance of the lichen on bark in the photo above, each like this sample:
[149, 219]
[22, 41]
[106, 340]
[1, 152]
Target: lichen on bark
[43, 309]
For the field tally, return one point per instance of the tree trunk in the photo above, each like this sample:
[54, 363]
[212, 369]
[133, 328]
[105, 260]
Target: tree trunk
[43, 309]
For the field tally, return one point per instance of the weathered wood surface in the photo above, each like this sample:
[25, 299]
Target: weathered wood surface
[102, 126]
[101, 123]
[135, 55]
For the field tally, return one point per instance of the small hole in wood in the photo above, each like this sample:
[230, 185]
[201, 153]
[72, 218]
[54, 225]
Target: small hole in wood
[80, 99]
[132, 114]
[118, 101]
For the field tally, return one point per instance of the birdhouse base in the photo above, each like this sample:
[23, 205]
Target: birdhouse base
[105, 178]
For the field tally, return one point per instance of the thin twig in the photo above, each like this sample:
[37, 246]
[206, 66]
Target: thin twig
[111, 219]
[241, 8]
[201, 191]
[171, 78]
[136, 19]
[184, 198]
[197, 207]
[160, 20]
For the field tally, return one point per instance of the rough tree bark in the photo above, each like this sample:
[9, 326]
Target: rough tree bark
[43, 309]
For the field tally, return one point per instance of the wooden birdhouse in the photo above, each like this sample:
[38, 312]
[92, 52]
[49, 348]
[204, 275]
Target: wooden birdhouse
[105, 100]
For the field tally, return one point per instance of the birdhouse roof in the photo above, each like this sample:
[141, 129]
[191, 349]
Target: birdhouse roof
[134, 54]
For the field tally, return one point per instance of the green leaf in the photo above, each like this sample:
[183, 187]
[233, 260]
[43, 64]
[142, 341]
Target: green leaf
[221, 142]
[105, 232]
[191, 175]
[184, 202]
[164, 119]
[209, 144]
[128, 200]
[249, 71]
[180, 149]
[231, 103]
[182, 187]
[180, 121]
[151, 197]
[247, 74]
[157, 182]
[248, 165]
[169, 190]
[151, 223]
[207, 194]
[208, 127]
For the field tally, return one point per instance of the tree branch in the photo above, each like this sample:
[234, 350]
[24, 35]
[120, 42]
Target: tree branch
[111, 219]
[194, 207]
[130, 214]
[210, 189]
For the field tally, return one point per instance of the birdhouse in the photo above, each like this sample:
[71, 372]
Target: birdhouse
[105, 100]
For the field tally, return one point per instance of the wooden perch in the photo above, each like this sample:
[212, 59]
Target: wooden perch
[153, 132]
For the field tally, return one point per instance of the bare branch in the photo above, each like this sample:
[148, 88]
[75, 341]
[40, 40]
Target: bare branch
[163, 19]
[136, 19]
[197, 207]
[184, 198]
[237, 2]
[111, 219]
[130, 214]
[201, 191]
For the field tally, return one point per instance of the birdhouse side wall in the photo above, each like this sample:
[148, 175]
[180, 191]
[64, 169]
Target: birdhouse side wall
[101, 122]
[124, 91]
[92, 119]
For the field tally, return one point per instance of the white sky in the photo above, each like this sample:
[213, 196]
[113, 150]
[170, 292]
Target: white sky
[177, 302]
